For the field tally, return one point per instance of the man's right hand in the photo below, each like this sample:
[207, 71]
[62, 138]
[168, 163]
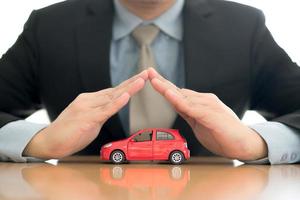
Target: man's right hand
[80, 123]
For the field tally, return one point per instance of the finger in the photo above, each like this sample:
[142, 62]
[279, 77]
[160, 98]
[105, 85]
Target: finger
[100, 98]
[108, 95]
[206, 99]
[135, 87]
[209, 96]
[143, 75]
[105, 112]
[203, 101]
[152, 74]
[177, 101]
[127, 85]
[103, 97]
[131, 89]
[159, 86]
[85, 101]
[162, 87]
[182, 105]
[189, 92]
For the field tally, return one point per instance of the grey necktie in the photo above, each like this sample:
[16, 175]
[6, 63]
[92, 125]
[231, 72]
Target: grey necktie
[148, 109]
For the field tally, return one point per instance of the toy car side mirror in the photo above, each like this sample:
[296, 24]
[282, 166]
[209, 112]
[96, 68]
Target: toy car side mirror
[132, 140]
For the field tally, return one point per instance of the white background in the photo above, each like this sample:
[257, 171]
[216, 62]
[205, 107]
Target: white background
[282, 19]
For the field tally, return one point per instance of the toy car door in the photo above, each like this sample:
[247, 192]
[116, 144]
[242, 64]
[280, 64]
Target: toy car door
[140, 146]
[163, 145]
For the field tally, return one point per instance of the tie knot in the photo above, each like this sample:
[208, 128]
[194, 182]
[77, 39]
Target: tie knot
[145, 35]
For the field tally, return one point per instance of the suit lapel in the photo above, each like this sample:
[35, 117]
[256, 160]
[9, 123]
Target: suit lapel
[94, 37]
[199, 70]
[94, 34]
[199, 60]
[198, 67]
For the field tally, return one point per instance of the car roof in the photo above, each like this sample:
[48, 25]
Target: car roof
[166, 129]
[169, 130]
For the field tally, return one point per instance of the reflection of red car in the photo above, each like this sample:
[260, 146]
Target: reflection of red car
[147, 182]
[148, 144]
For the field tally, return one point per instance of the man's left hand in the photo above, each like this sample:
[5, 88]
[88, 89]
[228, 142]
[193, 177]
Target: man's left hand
[214, 124]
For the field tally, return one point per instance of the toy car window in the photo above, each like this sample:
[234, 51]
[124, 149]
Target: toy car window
[160, 135]
[143, 137]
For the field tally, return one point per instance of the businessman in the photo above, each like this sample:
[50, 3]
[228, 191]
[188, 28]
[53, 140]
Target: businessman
[104, 69]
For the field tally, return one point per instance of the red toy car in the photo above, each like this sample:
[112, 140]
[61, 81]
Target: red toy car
[148, 144]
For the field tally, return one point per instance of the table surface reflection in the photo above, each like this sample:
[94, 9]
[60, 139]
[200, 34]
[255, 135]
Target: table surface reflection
[199, 178]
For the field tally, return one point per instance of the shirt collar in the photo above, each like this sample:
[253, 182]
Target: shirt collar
[169, 22]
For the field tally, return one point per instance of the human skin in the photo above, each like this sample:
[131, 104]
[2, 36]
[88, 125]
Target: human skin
[147, 9]
[214, 124]
[80, 123]
[69, 134]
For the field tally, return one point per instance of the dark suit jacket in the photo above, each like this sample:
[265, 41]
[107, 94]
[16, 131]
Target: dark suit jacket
[64, 51]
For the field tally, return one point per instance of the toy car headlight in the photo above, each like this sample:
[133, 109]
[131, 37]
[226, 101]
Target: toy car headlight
[185, 144]
[108, 145]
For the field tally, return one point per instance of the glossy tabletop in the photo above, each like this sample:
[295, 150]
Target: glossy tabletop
[199, 178]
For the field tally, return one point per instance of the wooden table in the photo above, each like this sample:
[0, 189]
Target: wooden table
[199, 178]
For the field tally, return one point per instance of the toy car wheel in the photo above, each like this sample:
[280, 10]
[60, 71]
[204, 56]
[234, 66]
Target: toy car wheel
[117, 172]
[176, 157]
[117, 157]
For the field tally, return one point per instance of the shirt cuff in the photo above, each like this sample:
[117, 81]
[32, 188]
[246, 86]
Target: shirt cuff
[283, 143]
[14, 138]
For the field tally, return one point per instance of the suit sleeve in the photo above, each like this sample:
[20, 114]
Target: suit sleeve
[276, 95]
[19, 96]
[283, 142]
[275, 80]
